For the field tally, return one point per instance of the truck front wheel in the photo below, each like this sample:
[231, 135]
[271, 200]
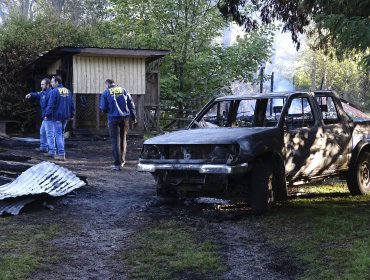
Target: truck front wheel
[358, 179]
[163, 188]
[279, 183]
[261, 187]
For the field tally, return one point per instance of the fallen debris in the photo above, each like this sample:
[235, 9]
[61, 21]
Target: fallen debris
[14, 206]
[4, 136]
[14, 167]
[43, 178]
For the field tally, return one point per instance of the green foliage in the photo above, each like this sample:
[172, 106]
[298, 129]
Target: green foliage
[342, 24]
[347, 33]
[198, 66]
[326, 232]
[171, 250]
[21, 41]
[344, 76]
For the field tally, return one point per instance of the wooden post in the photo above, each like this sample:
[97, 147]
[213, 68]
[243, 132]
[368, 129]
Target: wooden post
[74, 119]
[140, 112]
[97, 100]
[272, 82]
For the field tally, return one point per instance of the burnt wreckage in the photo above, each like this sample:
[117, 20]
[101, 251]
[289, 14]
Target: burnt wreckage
[256, 146]
[36, 182]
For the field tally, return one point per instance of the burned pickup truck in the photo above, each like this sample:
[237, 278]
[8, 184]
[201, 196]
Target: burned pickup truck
[254, 147]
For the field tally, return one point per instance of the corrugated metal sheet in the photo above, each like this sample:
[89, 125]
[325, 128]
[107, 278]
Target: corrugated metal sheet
[13, 207]
[90, 73]
[43, 178]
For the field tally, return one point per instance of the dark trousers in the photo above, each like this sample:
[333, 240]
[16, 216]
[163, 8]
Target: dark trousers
[118, 131]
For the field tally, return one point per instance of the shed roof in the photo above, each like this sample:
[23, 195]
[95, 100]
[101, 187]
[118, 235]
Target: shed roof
[47, 58]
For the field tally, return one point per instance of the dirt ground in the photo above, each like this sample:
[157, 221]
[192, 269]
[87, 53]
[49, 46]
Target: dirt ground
[103, 217]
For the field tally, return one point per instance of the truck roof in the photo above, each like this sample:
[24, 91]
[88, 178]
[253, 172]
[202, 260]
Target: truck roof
[262, 95]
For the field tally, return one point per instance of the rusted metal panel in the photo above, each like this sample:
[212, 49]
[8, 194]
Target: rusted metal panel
[43, 178]
[90, 73]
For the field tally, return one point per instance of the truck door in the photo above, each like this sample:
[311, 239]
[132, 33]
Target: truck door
[336, 133]
[303, 140]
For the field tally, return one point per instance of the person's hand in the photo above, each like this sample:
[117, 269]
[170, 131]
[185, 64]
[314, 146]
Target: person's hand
[45, 118]
[28, 96]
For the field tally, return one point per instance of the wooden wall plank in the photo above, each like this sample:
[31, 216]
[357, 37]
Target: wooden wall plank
[90, 72]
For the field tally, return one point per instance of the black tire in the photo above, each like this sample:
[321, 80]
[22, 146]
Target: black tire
[164, 189]
[358, 179]
[279, 183]
[261, 188]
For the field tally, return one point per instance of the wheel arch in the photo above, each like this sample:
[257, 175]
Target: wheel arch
[276, 161]
[358, 171]
[273, 157]
[360, 147]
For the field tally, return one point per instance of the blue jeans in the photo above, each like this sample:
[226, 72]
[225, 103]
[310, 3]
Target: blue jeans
[43, 139]
[50, 135]
[59, 128]
[118, 131]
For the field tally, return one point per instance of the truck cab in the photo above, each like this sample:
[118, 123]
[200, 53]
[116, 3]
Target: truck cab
[256, 146]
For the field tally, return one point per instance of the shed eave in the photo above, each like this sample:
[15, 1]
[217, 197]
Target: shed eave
[53, 55]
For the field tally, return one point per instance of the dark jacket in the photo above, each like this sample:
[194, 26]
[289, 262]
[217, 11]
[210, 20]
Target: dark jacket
[42, 96]
[115, 96]
[60, 105]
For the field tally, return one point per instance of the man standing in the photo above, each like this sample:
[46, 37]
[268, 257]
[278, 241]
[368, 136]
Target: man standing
[118, 104]
[59, 110]
[43, 98]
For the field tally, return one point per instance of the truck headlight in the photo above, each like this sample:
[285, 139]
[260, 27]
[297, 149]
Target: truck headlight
[151, 152]
[224, 154]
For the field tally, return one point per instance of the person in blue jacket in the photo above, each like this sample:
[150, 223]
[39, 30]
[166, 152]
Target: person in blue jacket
[59, 110]
[43, 98]
[117, 103]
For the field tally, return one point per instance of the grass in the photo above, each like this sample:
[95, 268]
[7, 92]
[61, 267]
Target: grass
[172, 250]
[327, 231]
[324, 230]
[21, 248]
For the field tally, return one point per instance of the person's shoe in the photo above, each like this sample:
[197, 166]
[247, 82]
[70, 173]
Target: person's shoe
[41, 150]
[123, 164]
[60, 157]
[116, 167]
[49, 154]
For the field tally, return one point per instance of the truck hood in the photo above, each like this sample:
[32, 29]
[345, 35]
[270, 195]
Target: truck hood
[205, 136]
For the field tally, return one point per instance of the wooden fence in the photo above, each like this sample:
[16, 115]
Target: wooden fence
[177, 115]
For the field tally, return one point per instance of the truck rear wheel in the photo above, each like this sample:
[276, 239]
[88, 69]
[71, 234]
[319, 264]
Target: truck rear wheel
[358, 179]
[261, 187]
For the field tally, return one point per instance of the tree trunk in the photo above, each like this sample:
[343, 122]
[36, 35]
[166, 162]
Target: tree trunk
[58, 5]
[313, 75]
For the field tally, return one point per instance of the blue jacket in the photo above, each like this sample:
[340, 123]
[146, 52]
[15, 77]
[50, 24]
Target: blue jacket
[42, 96]
[60, 105]
[124, 100]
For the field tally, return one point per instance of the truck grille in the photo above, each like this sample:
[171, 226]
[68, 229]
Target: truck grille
[207, 153]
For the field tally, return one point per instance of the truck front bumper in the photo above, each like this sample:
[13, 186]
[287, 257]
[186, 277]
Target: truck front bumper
[201, 168]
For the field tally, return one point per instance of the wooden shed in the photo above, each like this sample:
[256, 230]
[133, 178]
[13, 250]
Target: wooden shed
[84, 70]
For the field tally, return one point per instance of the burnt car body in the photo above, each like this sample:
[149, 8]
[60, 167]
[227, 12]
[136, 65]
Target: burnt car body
[255, 146]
